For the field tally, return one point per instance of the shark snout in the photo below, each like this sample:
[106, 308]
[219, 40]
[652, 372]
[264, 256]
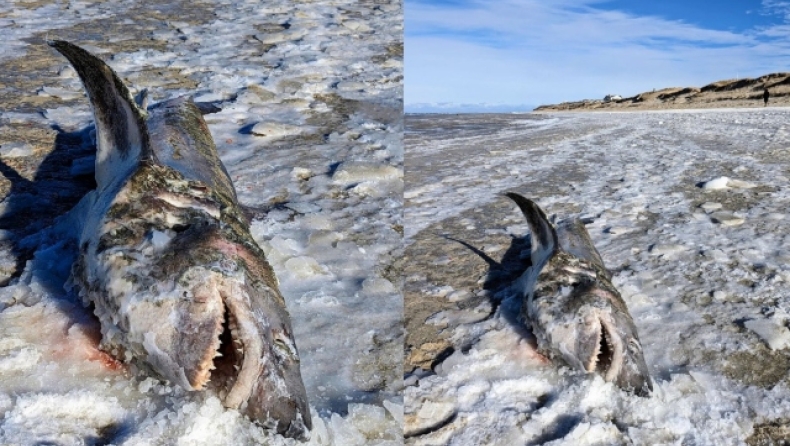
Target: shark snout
[607, 345]
[236, 341]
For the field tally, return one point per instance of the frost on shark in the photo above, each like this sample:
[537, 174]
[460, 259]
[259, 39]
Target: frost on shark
[572, 307]
[305, 113]
[167, 260]
[688, 213]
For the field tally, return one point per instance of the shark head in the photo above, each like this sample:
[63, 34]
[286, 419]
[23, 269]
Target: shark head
[576, 313]
[605, 340]
[233, 334]
[166, 257]
[250, 358]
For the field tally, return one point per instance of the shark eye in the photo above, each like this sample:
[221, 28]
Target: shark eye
[284, 348]
[633, 346]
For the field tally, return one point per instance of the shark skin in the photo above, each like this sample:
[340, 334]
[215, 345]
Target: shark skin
[166, 258]
[576, 314]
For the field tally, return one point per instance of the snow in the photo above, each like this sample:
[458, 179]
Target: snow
[689, 217]
[310, 130]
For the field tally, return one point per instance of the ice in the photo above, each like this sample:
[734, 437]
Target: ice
[305, 267]
[709, 206]
[15, 150]
[65, 418]
[702, 270]
[355, 173]
[774, 333]
[323, 82]
[275, 130]
[431, 415]
[717, 184]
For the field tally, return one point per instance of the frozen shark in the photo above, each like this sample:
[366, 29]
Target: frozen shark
[575, 312]
[167, 260]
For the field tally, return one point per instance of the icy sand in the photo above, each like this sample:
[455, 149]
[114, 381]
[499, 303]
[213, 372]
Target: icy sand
[311, 134]
[688, 210]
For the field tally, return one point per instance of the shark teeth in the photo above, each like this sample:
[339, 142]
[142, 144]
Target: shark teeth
[228, 355]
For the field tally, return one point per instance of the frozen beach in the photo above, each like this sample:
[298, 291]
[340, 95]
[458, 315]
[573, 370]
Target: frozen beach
[310, 130]
[688, 210]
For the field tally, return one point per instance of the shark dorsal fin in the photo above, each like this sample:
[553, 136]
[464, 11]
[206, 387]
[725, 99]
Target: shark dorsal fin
[544, 236]
[122, 138]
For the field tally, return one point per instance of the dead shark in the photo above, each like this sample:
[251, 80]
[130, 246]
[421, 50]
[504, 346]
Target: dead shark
[576, 314]
[166, 258]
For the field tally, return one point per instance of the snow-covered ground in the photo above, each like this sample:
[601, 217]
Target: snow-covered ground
[311, 133]
[689, 211]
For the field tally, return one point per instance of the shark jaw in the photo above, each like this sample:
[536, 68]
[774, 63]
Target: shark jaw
[232, 362]
[252, 363]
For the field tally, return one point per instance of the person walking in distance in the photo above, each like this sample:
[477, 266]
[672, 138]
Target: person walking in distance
[766, 95]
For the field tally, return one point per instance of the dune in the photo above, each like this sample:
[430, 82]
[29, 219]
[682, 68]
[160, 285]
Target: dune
[729, 93]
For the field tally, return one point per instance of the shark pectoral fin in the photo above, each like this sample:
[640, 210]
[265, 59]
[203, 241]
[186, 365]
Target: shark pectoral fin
[544, 237]
[122, 137]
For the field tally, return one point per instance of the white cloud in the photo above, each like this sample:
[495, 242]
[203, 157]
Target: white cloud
[534, 52]
[777, 7]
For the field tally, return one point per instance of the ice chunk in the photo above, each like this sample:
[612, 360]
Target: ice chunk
[275, 129]
[69, 417]
[431, 415]
[396, 410]
[301, 173]
[377, 285]
[16, 149]
[667, 249]
[740, 184]
[710, 206]
[356, 173]
[716, 184]
[772, 332]
[726, 219]
[726, 183]
[61, 93]
[305, 267]
[318, 298]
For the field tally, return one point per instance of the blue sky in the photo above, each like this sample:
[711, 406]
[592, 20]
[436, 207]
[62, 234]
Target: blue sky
[501, 55]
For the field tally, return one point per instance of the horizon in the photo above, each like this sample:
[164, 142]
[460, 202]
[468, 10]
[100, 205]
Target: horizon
[469, 56]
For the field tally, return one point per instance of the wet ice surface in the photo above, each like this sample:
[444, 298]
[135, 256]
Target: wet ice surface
[703, 270]
[310, 132]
